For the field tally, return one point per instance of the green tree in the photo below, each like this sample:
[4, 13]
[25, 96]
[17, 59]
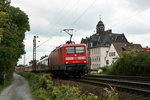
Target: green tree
[4, 20]
[132, 63]
[11, 46]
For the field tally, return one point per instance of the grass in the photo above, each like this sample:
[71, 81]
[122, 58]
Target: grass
[42, 88]
[7, 83]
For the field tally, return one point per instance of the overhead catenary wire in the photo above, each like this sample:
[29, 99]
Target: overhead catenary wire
[75, 21]
[130, 17]
[67, 12]
[60, 19]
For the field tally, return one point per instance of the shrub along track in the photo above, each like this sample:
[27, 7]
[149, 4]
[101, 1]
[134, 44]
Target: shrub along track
[128, 87]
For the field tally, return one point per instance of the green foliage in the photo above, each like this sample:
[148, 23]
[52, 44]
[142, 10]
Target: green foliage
[132, 63]
[3, 19]
[110, 94]
[13, 25]
[7, 83]
[43, 89]
[105, 69]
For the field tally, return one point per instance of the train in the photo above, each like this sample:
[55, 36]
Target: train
[67, 59]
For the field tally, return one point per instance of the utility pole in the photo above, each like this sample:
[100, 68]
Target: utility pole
[34, 52]
[24, 59]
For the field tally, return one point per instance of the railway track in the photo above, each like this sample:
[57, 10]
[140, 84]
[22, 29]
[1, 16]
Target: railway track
[132, 84]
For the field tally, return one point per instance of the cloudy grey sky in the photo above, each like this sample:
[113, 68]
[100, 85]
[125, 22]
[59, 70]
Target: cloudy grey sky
[48, 17]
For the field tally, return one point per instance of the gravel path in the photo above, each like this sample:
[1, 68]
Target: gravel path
[18, 90]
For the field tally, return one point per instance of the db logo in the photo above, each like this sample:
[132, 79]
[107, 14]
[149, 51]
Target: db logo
[75, 58]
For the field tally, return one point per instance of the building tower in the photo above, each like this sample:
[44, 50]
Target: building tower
[100, 27]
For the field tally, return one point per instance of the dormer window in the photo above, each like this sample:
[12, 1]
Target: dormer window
[112, 54]
[91, 44]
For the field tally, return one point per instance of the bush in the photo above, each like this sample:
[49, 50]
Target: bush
[110, 94]
[43, 89]
[132, 63]
[106, 69]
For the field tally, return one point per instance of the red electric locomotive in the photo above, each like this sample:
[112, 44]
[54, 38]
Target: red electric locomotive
[67, 59]
[70, 59]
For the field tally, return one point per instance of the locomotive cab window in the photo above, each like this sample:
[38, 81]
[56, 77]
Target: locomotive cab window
[69, 50]
[80, 49]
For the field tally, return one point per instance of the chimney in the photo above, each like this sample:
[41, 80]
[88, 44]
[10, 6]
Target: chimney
[129, 44]
[110, 30]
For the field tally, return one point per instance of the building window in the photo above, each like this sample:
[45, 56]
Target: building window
[112, 54]
[115, 59]
[91, 44]
[87, 45]
[107, 44]
[107, 61]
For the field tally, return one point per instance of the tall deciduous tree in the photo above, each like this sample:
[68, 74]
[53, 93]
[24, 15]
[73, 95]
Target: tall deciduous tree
[14, 26]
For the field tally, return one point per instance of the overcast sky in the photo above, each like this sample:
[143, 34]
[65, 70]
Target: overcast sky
[48, 17]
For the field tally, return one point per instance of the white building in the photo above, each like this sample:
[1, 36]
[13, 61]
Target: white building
[112, 55]
[98, 55]
[99, 43]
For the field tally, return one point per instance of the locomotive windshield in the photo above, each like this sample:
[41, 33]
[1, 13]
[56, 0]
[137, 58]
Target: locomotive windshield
[79, 49]
[70, 50]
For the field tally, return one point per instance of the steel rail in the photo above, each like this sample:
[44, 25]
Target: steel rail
[140, 88]
[133, 78]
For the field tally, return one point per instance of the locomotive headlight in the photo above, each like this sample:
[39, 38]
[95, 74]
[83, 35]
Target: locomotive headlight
[82, 57]
[69, 58]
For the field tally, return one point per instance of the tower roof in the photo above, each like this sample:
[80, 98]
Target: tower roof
[100, 23]
[104, 38]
